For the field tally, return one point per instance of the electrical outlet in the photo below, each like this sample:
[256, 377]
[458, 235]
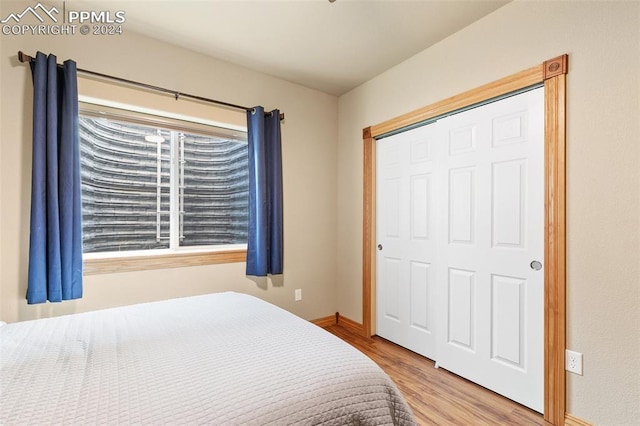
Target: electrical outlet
[298, 294]
[573, 362]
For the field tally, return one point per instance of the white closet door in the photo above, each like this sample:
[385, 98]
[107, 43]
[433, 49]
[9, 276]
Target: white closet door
[406, 239]
[490, 327]
[460, 217]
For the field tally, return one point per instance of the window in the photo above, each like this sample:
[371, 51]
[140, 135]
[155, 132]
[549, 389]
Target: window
[159, 185]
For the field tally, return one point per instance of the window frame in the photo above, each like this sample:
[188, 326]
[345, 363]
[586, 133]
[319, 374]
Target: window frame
[141, 260]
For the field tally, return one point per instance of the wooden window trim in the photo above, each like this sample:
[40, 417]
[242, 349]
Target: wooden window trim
[552, 74]
[110, 265]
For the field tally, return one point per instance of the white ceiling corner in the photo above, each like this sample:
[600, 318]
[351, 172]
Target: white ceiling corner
[331, 47]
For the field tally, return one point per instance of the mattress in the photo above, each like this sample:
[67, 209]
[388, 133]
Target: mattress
[221, 359]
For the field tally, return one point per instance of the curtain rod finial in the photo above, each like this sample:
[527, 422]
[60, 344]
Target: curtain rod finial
[23, 57]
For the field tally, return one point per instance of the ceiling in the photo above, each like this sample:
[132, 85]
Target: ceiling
[331, 47]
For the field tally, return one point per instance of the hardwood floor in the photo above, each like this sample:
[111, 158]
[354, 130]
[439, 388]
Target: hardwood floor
[437, 396]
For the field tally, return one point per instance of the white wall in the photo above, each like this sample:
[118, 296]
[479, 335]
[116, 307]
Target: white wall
[309, 135]
[603, 171]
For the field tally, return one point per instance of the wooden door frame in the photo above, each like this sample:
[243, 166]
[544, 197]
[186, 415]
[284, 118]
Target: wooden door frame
[552, 74]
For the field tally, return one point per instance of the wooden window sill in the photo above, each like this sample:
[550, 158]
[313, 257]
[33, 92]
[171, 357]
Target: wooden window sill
[110, 265]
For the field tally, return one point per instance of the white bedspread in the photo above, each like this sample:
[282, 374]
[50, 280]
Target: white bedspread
[223, 359]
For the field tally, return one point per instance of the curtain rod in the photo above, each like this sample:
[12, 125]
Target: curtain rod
[23, 57]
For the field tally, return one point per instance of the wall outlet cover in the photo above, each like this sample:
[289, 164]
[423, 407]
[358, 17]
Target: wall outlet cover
[573, 362]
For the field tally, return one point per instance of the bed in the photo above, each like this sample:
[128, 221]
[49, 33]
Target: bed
[221, 359]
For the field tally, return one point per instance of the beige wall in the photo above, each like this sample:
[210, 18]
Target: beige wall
[309, 136]
[602, 40]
